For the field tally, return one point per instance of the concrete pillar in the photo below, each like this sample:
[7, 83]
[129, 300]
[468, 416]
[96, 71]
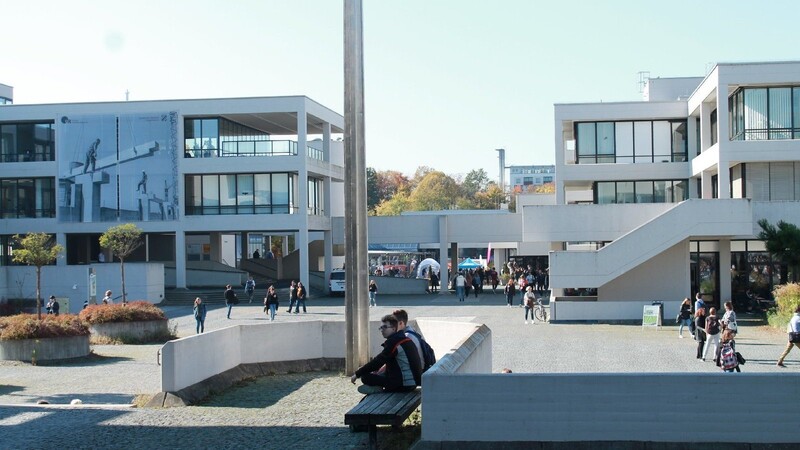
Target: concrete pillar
[215, 241]
[328, 249]
[453, 259]
[61, 239]
[705, 185]
[355, 214]
[724, 272]
[302, 196]
[326, 142]
[705, 126]
[180, 259]
[443, 241]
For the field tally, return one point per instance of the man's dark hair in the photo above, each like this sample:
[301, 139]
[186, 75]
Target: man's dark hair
[391, 319]
[401, 315]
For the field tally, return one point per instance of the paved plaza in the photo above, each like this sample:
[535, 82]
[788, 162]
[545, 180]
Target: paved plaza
[307, 410]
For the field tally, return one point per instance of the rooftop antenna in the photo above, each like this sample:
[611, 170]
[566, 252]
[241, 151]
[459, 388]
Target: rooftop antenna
[127, 92]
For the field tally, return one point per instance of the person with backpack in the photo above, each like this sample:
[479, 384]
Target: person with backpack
[713, 329]
[230, 299]
[726, 354]
[729, 318]
[250, 287]
[700, 330]
[403, 368]
[426, 354]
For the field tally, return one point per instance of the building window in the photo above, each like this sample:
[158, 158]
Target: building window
[259, 193]
[659, 191]
[27, 198]
[628, 142]
[758, 114]
[26, 142]
[315, 197]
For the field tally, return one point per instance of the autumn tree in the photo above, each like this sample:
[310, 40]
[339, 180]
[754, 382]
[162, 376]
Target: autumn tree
[475, 181]
[434, 192]
[122, 240]
[37, 249]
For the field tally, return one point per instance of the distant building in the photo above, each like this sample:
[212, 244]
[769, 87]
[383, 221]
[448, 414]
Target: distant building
[521, 177]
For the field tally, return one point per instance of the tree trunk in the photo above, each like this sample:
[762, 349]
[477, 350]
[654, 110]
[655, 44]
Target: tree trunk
[38, 293]
[122, 269]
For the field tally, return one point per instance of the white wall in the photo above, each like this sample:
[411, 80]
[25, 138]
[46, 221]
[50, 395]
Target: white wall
[664, 278]
[143, 281]
[665, 407]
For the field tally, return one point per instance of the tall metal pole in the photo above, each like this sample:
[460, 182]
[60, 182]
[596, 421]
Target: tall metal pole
[355, 204]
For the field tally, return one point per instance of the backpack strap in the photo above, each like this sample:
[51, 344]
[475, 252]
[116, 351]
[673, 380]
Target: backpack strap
[399, 343]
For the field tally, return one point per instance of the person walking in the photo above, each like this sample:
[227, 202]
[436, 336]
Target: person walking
[107, 300]
[530, 303]
[301, 298]
[230, 299]
[510, 291]
[729, 318]
[434, 282]
[200, 315]
[271, 302]
[460, 283]
[373, 292]
[700, 330]
[713, 329]
[685, 316]
[495, 280]
[476, 283]
[250, 287]
[292, 295]
[794, 336]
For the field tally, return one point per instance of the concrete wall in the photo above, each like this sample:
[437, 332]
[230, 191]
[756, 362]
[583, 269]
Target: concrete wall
[460, 347]
[608, 311]
[610, 407]
[664, 278]
[200, 277]
[143, 281]
[44, 349]
[391, 285]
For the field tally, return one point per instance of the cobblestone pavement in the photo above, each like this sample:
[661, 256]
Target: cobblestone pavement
[307, 410]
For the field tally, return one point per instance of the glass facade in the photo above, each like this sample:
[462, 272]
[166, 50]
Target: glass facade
[24, 142]
[217, 137]
[754, 274]
[27, 198]
[765, 113]
[628, 142]
[704, 270]
[316, 205]
[657, 191]
[242, 193]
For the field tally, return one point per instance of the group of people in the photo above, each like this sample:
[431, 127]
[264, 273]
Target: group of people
[399, 366]
[711, 331]
[297, 297]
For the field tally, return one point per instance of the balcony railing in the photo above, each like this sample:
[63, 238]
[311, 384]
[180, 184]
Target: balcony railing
[315, 153]
[246, 148]
[764, 134]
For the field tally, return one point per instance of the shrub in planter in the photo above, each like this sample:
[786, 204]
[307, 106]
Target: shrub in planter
[132, 323]
[25, 338]
[138, 311]
[27, 326]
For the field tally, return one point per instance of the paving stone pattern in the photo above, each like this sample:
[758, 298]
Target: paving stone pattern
[307, 410]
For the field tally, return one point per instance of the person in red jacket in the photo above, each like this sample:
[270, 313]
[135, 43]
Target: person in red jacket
[399, 358]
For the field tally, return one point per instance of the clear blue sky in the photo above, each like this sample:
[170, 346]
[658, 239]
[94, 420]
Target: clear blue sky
[447, 82]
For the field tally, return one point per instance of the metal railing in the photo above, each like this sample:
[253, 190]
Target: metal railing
[246, 148]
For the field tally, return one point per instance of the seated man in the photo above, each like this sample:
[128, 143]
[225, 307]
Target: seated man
[403, 368]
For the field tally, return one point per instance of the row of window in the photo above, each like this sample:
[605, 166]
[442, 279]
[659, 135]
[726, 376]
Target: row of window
[657, 191]
[203, 138]
[27, 198]
[23, 142]
[628, 142]
[765, 113]
[253, 193]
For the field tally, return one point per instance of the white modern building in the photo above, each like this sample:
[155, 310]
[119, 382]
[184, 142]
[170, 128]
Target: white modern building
[523, 178]
[678, 183]
[208, 181]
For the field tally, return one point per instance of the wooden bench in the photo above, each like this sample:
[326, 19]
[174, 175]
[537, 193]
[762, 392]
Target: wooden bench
[385, 408]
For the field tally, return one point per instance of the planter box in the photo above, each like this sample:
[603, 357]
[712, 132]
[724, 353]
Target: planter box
[134, 330]
[46, 349]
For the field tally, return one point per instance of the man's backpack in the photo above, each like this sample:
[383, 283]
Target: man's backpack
[727, 356]
[428, 355]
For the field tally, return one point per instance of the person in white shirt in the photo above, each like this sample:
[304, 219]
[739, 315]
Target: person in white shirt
[460, 283]
[107, 300]
[794, 327]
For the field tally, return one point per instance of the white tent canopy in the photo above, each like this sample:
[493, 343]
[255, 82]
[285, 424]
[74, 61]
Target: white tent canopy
[427, 263]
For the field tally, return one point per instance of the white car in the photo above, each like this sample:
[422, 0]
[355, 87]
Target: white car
[336, 282]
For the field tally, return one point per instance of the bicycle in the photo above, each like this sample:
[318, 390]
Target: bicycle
[539, 311]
